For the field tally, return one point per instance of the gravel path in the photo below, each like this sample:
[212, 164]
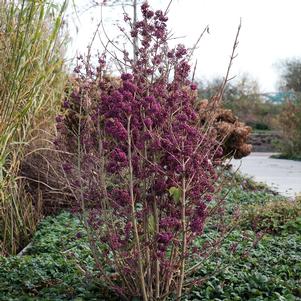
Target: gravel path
[283, 175]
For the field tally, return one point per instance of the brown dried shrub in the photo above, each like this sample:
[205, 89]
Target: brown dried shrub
[232, 133]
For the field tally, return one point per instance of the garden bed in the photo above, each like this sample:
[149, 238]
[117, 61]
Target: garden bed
[58, 264]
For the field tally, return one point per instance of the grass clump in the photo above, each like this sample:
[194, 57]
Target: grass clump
[287, 157]
[272, 216]
[31, 82]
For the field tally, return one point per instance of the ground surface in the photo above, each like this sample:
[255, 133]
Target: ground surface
[283, 175]
[58, 265]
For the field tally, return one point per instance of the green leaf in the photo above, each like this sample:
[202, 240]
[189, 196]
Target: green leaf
[151, 224]
[175, 193]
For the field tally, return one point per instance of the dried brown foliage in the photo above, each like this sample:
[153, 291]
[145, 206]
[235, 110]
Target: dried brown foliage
[232, 133]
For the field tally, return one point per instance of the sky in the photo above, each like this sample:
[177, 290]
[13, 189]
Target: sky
[270, 33]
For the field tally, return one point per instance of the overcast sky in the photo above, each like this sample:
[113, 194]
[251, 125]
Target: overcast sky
[270, 32]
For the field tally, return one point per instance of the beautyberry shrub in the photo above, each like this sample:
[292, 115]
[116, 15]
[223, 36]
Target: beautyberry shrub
[142, 169]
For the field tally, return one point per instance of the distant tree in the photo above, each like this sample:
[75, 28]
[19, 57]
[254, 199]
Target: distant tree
[235, 90]
[290, 122]
[290, 117]
[244, 98]
[290, 75]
